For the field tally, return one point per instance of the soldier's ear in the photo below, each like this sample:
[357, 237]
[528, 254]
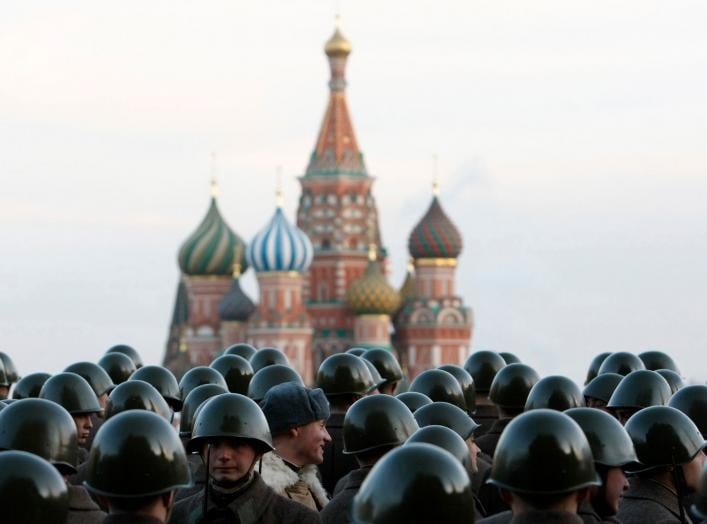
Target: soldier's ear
[293, 432]
[584, 494]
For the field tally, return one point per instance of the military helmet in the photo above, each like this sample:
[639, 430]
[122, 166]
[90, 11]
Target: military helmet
[231, 415]
[692, 400]
[413, 400]
[430, 486]
[136, 454]
[236, 371]
[94, 374]
[640, 389]
[356, 351]
[196, 398]
[622, 363]
[483, 366]
[118, 366]
[72, 392]
[700, 505]
[511, 386]
[376, 377]
[344, 374]
[245, 351]
[664, 436]
[198, 376]
[673, 379]
[448, 415]
[136, 394]
[509, 358]
[655, 360]
[594, 366]
[611, 445]
[268, 357]
[30, 385]
[376, 422]
[41, 427]
[129, 352]
[466, 382]
[444, 438]
[10, 368]
[440, 386]
[603, 386]
[385, 362]
[31, 490]
[271, 376]
[164, 381]
[543, 452]
[554, 392]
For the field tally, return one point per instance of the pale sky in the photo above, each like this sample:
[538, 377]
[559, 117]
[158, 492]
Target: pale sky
[571, 135]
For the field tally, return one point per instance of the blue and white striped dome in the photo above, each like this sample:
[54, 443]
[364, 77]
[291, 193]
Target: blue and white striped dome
[281, 246]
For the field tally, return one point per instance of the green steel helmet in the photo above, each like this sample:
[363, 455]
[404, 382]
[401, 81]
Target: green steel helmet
[664, 436]
[118, 366]
[622, 363]
[483, 366]
[231, 415]
[640, 389]
[30, 385]
[245, 351]
[196, 398]
[692, 400]
[700, 505]
[136, 454]
[376, 377]
[430, 486]
[164, 381]
[356, 351]
[444, 438]
[602, 386]
[611, 445]
[509, 358]
[543, 452]
[43, 428]
[3, 377]
[554, 392]
[198, 376]
[10, 368]
[31, 490]
[511, 386]
[72, 392]
[440, 386]
[94, 374]
[136, 394]
[236, 371]
[594, 366]
[448, 415]
[466, 382]
[267, 357]
[376, 422]
[269, 377]
[413, 400]
[385, 362]
[673, 379]
[344, 374]
[655, 360]
[128, 351]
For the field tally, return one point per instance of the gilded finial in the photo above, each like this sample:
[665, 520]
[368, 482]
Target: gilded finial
[214, 185]
[411, 265]
[237, 261]
[372, 252]
[279, 198]
[435, 176]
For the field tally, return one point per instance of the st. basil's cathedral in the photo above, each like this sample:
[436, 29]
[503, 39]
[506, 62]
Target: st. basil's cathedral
[322, 281]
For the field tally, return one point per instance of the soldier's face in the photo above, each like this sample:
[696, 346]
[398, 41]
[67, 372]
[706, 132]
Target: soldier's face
[83, 427]
[230, 459]
[311, 439]
[611, 492]
[692, 471]
[474, 451]
[4, 392]
[623, 414]
[595, 403]
[388, 388]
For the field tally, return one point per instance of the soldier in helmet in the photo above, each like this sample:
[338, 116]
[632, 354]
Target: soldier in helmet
[387, 366]
[598, 391]
[231, 434]
[483, 366]
[372, 427]
[101, 384]
[297, 419]
[637, 390]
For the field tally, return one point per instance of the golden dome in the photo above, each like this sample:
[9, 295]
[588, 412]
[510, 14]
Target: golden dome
[337, 45]
[371, 294]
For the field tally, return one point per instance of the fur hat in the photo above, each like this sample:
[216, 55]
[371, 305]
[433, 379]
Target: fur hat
[290, 405]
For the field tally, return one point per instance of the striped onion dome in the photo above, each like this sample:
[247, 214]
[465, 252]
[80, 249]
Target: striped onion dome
[371, 294]
[210, 250]
[280, 246]
[435, 236]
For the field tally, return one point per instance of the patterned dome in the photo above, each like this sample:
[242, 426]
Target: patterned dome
[210, 249]
[281, 246]
[235, 305]
[371, 294]
[435, 236]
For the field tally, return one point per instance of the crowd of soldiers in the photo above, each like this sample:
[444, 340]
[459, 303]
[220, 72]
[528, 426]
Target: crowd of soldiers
[244, 440]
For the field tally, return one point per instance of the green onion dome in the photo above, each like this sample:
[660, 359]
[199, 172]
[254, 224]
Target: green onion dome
[435, 236]
[371, 294]
[210, 250]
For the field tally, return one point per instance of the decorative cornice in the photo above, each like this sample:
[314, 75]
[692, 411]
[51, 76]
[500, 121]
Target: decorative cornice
[436, 262]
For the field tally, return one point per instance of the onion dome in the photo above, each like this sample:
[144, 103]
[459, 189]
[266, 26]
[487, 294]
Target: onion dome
[371, 294]
[281, 246]
[337, 45]
[435, 236]
[235, 305]
[210, 249]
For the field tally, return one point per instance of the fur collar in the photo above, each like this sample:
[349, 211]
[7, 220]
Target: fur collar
[279, 476]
